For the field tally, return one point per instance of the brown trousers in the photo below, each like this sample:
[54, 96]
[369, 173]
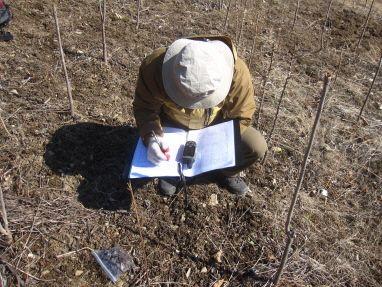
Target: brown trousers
[250, 146]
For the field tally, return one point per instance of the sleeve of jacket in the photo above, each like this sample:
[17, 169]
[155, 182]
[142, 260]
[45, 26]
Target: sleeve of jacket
[240, 102]
[149, 97]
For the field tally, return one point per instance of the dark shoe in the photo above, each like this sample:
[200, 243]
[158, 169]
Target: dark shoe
[167, 185]
[234, 184]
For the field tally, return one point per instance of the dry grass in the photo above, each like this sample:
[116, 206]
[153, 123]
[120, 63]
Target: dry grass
[61, 178]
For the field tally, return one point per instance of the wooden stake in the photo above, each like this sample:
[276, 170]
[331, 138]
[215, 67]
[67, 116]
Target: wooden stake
[371, 87]
[365, 25]
[289, 232]
[68, 86]
[103, 20]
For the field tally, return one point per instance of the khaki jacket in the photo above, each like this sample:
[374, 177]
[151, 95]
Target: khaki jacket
[151, 103]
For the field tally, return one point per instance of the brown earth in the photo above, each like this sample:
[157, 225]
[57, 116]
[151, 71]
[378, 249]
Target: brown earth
[62, 177]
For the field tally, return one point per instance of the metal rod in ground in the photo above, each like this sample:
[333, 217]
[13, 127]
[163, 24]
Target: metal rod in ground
[138, 12]
[269, 138]
[371, 87]
[295, 14]
[103, 19]
[288, 230]
[324, 25]
[264, 84]
[226, 15]
[307, 153]
[365, 25]
[138, 218]
[68, 85]
[289, 241]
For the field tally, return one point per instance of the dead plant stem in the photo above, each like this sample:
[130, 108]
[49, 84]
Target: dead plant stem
[371, 87]
[138, 218]
[227, 15]
[242, 24]
[265, 79]
[4, 229]
[138, 12]
[324, 26]
[103, 19]
[365, 25]
[295, 14]
[68, 86]
[5, 127]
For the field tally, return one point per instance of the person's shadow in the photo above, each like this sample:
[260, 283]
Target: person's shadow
[99, 154]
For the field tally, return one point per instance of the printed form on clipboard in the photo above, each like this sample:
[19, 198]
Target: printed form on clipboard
[215, 149]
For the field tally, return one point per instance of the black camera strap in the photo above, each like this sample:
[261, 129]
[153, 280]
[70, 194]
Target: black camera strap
[182, 185]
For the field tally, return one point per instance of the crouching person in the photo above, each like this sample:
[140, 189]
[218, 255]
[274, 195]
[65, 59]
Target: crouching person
[194, 83]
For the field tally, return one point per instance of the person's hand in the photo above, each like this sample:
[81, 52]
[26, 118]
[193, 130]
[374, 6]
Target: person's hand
[157, 150]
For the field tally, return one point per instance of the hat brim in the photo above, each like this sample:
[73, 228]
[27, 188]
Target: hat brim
[187, 102]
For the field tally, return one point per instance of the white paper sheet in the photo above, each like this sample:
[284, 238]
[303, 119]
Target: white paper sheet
[215, 149]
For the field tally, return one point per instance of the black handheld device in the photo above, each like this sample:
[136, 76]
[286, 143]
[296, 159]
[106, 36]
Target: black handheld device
[189, 152]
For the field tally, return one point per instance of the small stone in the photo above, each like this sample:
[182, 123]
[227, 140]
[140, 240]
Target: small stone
[31, 255]
[183, 218]
[188, 273]
[323, 193]
[204, 270]
[45, 272]
[14, 92]
[219, 283]
[277, 149]
[213, 200]
[218, 256]
[79, 272]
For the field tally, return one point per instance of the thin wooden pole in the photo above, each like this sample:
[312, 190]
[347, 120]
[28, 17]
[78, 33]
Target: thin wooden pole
[371, 87]
[68, 85]
[289, 232]
[365, 25]
[253, 42]
[103, 19]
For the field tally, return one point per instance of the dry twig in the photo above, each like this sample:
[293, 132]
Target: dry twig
[68, 86]
[242, 24]
[265, 79]
[365, 25]
[253, 42]
[289, 232]
[102, 10]
[4, 228]
[324, 26]
[371, 87]
[278, 110]
[143, 246]
[226, 15]
[138, 12]
[5, 127]
[295, 14]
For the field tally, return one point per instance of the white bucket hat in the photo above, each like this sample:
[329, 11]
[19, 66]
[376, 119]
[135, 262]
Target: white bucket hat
[197, 74]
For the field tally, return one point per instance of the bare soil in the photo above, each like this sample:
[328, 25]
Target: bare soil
[61, 177]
